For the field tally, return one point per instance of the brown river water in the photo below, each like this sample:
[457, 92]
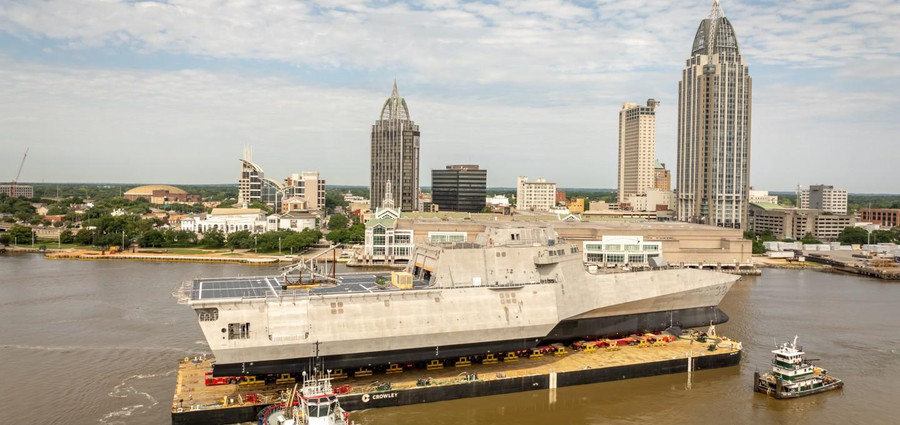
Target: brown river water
[87, 342]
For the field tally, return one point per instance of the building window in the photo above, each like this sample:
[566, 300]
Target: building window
[635, 258]
[615, 258]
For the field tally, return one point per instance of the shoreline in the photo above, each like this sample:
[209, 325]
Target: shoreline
[212, 256]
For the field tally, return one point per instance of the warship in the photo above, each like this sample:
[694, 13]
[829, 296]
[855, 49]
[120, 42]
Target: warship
[513, 288]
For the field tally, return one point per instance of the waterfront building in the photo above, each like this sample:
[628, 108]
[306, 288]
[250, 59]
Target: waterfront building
[307, 187]
[459, 188]
[825, 198]
[662, 178]
[884, 217]
[637, 148]
[795, 223]
[228, 220]
[395, 154]
[762, 196]
[160, 194]
[539, 195]
[384, 241]
[17, 190]
[293, 220]
[620, 250]
[714, 108]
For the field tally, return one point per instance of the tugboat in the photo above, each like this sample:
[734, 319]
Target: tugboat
[793, 375]
[314, 404]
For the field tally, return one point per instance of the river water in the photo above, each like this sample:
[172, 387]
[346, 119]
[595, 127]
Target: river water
[87, 342]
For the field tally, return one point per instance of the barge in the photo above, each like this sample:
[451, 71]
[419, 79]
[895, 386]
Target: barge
[195, 403]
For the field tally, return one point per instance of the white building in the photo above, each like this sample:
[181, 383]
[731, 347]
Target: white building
[539, 195]
[293, 220]
[228, 220]
[385, 243]
[825, 198]
[653, 199]
[616, 250]
[637, 148]
[496, 201]
[762, 196]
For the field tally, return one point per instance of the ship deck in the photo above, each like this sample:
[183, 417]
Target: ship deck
[271, 286]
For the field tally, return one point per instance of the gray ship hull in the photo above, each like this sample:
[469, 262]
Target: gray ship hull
[566, 331]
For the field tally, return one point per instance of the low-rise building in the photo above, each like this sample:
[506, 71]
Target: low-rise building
[293, 220]
[884, 217]
[620, 250]
[762, 196]
[652, 199]
[384, 242]
[228, 220]
[825, 198]
[17, 190]
[160, 194]
[795, 223]
[539, 195]
[575, 205]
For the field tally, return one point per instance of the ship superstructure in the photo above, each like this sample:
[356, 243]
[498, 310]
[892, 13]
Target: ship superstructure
[512, 289]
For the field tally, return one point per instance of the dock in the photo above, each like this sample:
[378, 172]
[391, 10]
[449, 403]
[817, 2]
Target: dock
[166, 258]
[195, 403]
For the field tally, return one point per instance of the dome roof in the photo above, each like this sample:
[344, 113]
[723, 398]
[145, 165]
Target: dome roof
[395, 107]
[149, 188]
[715, 34]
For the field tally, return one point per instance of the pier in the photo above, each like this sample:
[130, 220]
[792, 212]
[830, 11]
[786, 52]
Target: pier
[195, 403]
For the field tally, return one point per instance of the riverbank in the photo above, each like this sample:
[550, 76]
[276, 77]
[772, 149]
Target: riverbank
[176, 255]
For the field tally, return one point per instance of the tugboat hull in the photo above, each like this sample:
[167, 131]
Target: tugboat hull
[763, 384]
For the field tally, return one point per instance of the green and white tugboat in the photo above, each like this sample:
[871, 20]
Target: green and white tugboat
[793, 375]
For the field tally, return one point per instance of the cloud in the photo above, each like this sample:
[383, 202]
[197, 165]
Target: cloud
[520, 87]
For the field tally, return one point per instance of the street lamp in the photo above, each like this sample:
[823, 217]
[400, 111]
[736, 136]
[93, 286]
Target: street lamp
[279, 245]
[254, 244]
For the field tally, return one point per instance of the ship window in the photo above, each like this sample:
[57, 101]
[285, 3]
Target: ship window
[238, 330]
[337, 307]
[208, 314]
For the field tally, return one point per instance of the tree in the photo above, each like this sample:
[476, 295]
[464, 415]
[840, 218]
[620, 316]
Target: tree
[151, 238]
[240, 239]
[882, 236]
[758, 247]
[767, 236]
[213, 238]
[84, 237]
[808, 239]
[66, 236]
[260, 205]
[355, 234]
[338, 221]
[853, 235]
[4, 238]
[334, 198]
[20, 234]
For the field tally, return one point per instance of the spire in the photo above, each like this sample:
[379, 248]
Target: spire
[715, 34]
[388, 201]
[395, 107]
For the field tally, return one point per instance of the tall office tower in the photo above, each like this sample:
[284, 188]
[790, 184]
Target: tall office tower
[395, 155]
[637, 148]
[459, 188]
[714, 104]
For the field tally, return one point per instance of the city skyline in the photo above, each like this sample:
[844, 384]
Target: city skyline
[523, 89]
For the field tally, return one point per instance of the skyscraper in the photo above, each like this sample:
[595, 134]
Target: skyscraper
[395, 155]
[714, 104]
[637, 148]
[459, 188]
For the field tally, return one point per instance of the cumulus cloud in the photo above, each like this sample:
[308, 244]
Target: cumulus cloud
[484, 79]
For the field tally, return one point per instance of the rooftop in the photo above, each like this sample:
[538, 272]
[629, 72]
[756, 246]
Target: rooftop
[270, 286]
[149, 188]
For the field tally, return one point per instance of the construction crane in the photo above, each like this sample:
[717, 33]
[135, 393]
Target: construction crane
[12, 189]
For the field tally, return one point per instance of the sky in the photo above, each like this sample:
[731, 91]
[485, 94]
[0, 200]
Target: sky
[172, 91]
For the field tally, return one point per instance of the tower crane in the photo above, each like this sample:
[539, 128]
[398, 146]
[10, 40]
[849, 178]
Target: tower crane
[12, 191]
